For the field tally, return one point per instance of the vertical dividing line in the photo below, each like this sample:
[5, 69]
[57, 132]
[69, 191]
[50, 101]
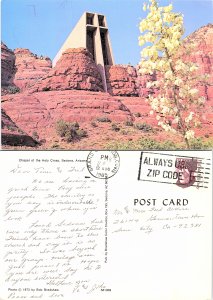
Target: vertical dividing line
[106, 222]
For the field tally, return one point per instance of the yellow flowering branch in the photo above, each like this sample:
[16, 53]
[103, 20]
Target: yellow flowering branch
[175, 93]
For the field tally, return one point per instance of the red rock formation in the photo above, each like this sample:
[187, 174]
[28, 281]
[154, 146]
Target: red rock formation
[141, 110]
[7, 66]
[40, 111]
[29, 68]
[202, 55]
[12, 135]
[74, 70]
[121, 80]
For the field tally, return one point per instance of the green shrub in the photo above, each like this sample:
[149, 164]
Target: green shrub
[151, 144]
[35, 135]
[124, 132]
[143, 144]
[115, 145]
[103, 119]
[115, 127]
[64, 127]
[169, 145]
[69, 131]
[13, 89]
[55, 146]
[81, 133]
[144, 127]
[200, 144]
[128, 123]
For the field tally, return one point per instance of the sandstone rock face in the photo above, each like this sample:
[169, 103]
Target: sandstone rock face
[141, 111]
[202, 55]
[142, 80]
[74, 70]
[121, 80]
[7, 65]
[40, 111]
[12, 135]
[29, 68]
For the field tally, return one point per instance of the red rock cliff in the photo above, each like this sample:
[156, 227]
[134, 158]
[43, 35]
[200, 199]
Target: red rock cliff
[29, 68]
[7, 65]
[202, 55]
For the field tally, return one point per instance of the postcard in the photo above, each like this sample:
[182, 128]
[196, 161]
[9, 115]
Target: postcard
[106, 75]
[106, 225]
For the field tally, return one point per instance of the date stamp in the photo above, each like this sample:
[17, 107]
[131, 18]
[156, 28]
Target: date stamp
[103, 164]
[184, 171]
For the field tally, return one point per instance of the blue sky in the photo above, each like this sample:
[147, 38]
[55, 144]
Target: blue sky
[43, 25]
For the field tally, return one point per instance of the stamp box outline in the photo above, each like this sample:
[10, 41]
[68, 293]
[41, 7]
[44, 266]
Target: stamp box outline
[178, 156]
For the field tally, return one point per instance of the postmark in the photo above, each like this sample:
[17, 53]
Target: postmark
[187, 168]
[184, 171]
[103, 164]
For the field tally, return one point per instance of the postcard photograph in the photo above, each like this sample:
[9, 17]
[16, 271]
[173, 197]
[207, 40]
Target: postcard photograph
[106, 75]
[106, 225]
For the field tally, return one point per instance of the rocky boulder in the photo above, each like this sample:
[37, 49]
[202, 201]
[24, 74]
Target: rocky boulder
[75, 69]
[12, 135]
[29, 68]
[121, 80]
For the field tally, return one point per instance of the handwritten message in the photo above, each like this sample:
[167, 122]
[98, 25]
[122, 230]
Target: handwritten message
[66, 234]
[55, 230]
